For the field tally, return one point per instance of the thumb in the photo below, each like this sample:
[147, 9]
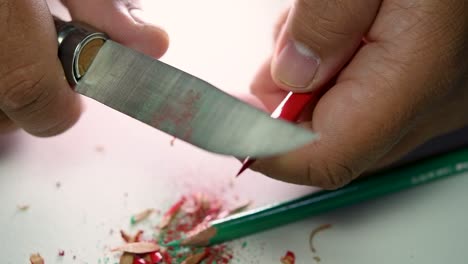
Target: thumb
[319, 37]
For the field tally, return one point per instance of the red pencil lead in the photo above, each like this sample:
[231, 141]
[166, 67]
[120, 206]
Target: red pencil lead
[289, 109]
[245, 165]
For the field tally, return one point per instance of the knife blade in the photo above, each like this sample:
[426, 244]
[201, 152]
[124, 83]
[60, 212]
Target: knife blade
[170, 99]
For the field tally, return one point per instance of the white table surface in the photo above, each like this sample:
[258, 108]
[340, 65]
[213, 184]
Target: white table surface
[222, 42]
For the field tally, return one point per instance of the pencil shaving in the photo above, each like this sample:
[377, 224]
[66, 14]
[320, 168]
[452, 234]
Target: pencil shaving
[195, 258]
[172, 142]
[288, 258]
[314, 232]
[36, 259]
[171, 213]
[23, 207]
[137, 248]
[126, 258]
[141, 216]
[129, 238]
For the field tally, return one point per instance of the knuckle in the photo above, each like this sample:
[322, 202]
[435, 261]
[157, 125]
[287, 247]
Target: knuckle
[322, 21]
[22, 88]
[334, 174]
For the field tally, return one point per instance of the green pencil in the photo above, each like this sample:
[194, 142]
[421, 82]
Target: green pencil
[398, 179]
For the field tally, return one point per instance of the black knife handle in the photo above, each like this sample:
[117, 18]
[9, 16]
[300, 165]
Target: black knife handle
[78, 45]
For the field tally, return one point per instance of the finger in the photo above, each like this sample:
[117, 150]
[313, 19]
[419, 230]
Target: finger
[265, 88]
[278, 28]
[318, 39]
[6, 125]
[33, 90]
[124, 21]
[377, 100]
[435, 123]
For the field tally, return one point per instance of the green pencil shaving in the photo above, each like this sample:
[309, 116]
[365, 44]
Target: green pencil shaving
[379, 184]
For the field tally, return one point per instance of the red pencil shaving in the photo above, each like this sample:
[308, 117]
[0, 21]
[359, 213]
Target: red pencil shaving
[169, 215]
[289, 258]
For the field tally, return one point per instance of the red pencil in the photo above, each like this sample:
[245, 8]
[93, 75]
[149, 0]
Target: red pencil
[292, 106]
[290, 109]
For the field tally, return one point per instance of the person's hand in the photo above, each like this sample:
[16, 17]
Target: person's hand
[408, 84]
[34, 94]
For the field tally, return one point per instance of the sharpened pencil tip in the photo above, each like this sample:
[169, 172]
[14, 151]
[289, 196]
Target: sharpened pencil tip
[245, 165]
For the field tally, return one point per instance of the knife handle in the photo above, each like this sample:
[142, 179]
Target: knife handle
[78, 45]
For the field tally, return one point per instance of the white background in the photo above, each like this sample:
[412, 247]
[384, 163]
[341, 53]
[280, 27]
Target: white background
[223, 42]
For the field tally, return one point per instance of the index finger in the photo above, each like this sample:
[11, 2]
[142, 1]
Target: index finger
[33, 90]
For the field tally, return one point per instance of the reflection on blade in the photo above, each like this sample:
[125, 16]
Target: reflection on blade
[184, 106]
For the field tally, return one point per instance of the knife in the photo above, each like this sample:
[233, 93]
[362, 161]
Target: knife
[169, 99]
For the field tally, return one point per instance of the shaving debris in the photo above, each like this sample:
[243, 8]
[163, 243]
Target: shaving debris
[99, 148]
[36, 259]
[195, 258]
[138, 247]
[23, 207]
[317, 259]
[129, 238]
[170, 214]
[288, 258]
[183, 217]
[314, 232]
[173, 141]
[135, 219]
[126, 258]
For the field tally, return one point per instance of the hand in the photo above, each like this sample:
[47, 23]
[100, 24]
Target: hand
[34, 94]
[408, 84]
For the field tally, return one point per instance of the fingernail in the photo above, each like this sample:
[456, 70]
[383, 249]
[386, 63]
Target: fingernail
[296, 65]
[140, 16]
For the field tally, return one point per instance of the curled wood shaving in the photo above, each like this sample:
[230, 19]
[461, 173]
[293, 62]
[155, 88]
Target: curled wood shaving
[141, 216]
[23, 207]
[195, 258]
[138, 247]
[129, 238]
[314, 232]
[36, 259]
[126, 258]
